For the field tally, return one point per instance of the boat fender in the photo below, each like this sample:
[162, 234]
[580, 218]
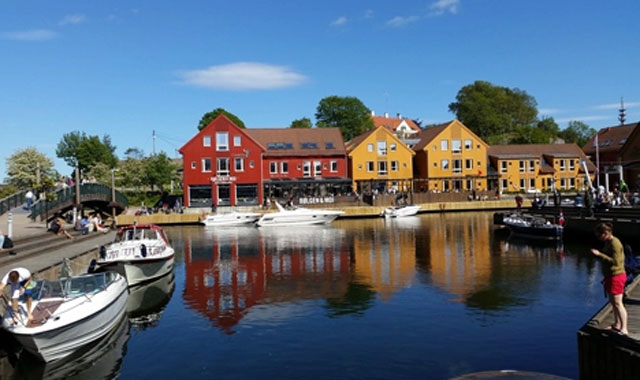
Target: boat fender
[92, 266]
[143, 250]
[103, 252]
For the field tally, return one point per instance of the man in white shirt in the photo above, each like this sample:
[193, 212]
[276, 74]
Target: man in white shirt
[19, 280]
[29, 198]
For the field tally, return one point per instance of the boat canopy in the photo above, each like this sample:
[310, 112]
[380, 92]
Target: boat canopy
[72, 287]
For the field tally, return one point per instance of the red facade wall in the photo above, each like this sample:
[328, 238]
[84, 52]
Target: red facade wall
[296, 167]
[249, 151]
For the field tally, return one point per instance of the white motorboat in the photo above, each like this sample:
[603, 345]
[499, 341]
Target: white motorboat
[69, 313]
[399, 211]
[298, 216]
[233, 218]
[139, 253]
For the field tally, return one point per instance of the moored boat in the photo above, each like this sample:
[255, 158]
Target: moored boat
[532, 227]
[400, 211]
[298, 216]
[233, 218]
[139, 253]
[69, 313]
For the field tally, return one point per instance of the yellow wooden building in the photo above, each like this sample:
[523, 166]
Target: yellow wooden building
[539, 167]
[450, 157]
[379, 160]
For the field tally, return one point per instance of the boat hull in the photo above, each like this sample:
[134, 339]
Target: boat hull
[57, 343]
[140, 271]
[282, 219]
[528, 229]
[400, 212]
[231, 219]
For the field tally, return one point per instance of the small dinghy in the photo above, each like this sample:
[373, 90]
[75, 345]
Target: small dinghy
[69, 313]
[139, 253]
[399, 211]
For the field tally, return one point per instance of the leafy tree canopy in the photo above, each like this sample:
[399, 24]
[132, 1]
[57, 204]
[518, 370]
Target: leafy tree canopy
[493, 112]
[305, 122]
[577, 132]
[348, 113]
[210, 116]
[78, 149]
[23, 165]
[101, 172]
[159, 170]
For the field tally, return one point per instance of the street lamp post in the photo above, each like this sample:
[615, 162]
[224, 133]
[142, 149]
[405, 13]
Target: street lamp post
[113, 194]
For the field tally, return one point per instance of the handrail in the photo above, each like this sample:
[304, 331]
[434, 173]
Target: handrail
[98, 191]
[12, 201]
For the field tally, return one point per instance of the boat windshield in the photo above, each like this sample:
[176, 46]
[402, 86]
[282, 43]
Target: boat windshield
[137, 234]
[72, 287]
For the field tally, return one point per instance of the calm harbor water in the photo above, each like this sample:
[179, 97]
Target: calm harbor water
[431, 297]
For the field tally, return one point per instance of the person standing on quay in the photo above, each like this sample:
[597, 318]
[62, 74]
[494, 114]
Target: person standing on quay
[612, 256]
[29, 198]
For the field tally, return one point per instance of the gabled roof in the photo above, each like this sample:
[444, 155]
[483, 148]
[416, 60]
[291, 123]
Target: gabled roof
[299, 141]
[393, 123]
[356, 141]
[219, 119]
[429, 134]
[610, 139]
[545, 152]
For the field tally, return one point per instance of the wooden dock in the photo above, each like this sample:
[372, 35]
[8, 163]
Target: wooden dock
[603, 354]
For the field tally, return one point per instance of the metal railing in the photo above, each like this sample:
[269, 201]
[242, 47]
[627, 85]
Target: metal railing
[88, 192]
[12, 201]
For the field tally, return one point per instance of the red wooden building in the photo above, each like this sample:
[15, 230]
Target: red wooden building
[309, 164]
[222, 164]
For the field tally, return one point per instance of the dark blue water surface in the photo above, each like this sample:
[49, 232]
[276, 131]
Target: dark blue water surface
[431, 297]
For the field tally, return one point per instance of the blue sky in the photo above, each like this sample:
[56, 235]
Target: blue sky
[126, 68]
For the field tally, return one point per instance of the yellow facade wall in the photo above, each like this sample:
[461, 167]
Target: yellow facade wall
[365, 160]
[455, 159]
[523, 174]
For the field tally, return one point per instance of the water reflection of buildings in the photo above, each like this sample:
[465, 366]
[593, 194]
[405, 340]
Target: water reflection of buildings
[386, 259]
[231, 270]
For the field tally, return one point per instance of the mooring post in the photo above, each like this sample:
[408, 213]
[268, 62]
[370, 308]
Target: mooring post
[10, 225]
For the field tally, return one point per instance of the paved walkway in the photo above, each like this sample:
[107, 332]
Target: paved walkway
[23, 227]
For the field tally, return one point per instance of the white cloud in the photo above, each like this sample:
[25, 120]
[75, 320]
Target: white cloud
[368, 13]
[549, 111]
[400, 21]
[243, 76]
[339, 21]
[441, 7]
[583, 118]
[30, 35]
[615, 106]
[72, 19]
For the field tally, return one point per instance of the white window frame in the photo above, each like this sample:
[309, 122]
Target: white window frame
[238, 168]
[306, 169]
[572, 183]
[273, 167]
[523, 184]
[284, 167]
[505, 184]
[532, 165]
[382, 167]
[456, 166]
[563, 165]
[382, 148]
[468, 144]
[468, 164]
[532, 183]
[523, 166]
[206, 140]
[369, 148]
[204, 165]
[572, 165]
[237, 140]
[394, 166]
[317, 168]
[220, 171]
[444, 145]
[193, 164]
[503, 166]
[456, 146]
[370, 166]
[334, 166]
[444, 165]
[392, 147]
[222, 141]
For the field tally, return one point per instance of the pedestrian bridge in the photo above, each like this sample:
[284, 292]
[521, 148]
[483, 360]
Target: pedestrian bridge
[93, 196]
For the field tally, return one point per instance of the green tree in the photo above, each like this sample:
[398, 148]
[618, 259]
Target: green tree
[78, 149]
[159, 170]
[305, 122]
[577, 132]
[101, 172]
[348, 113]
[23, 165]
[131, 170]
[493, 112]
[208, 117]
